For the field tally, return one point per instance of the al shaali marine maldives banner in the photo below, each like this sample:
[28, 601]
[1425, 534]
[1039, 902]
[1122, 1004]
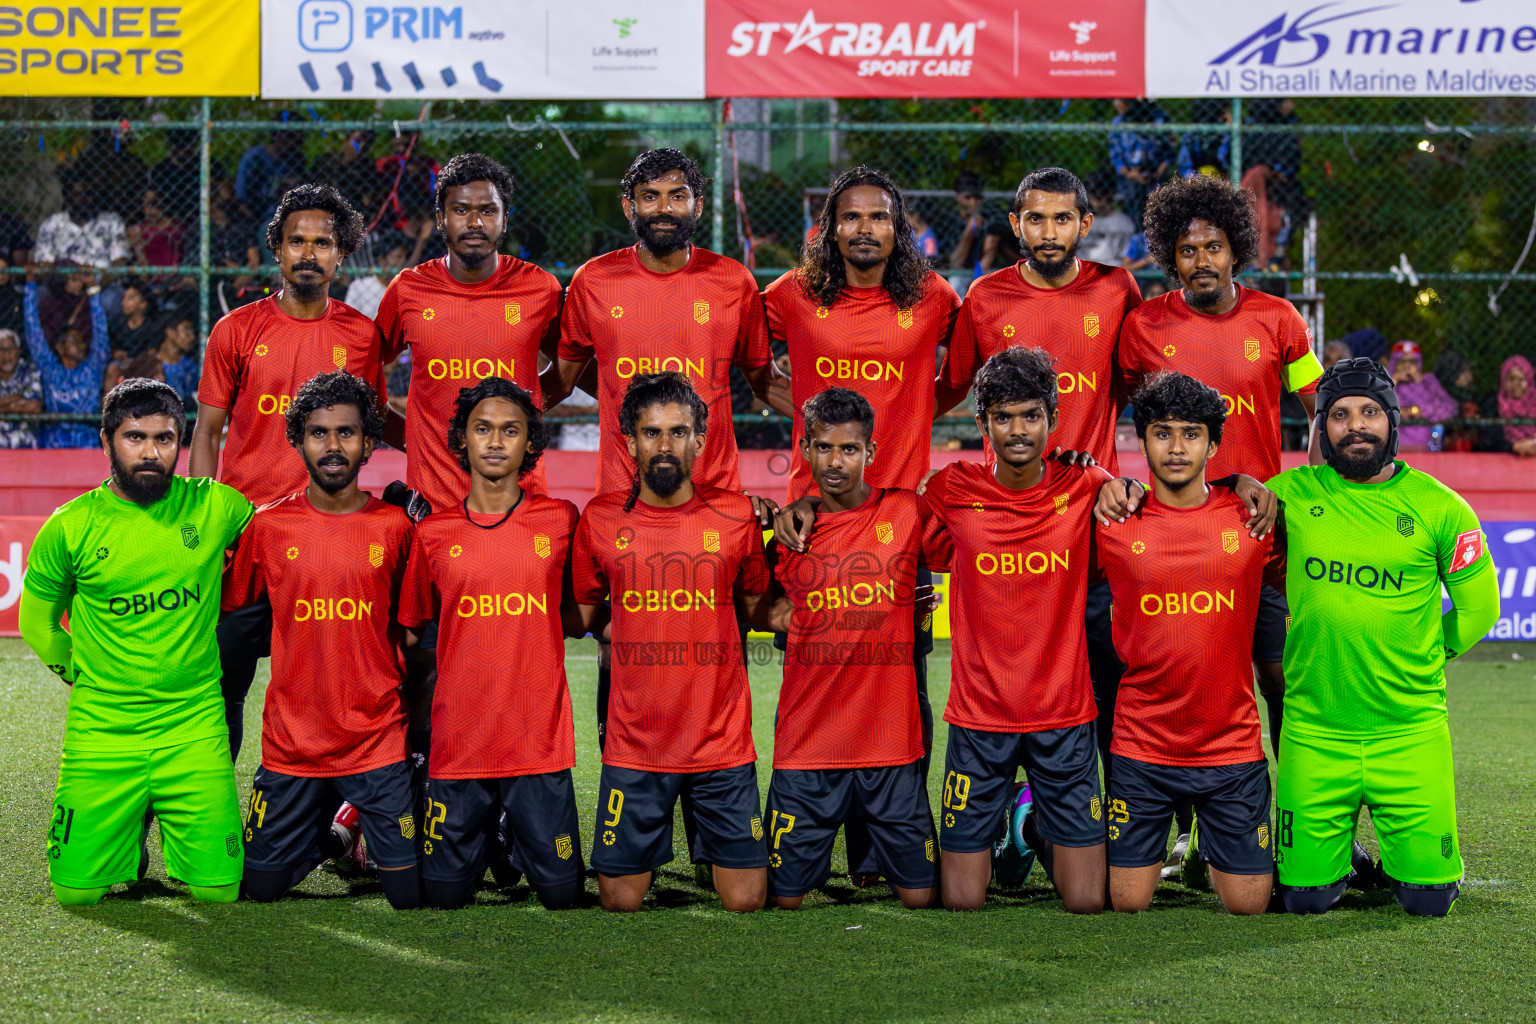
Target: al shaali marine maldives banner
[482, 49]
[1342, 48]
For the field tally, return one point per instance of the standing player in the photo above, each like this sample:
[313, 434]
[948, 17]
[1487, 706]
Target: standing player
[1073, 309]
[676, 558]
[848, 740]
[1186, 575]
[135, 565]
[1250, 346]
[1370, 542]
[496, 568]
[329, 560]
[257, 357]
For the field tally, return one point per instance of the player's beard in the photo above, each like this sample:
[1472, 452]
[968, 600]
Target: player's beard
[304, 291]
[1362, 467]
[664, 475]
[865, 257]
[663, 243]
[1052, 271]
[328, 484]
[141, 490]
[1203, 300]
[476, 260]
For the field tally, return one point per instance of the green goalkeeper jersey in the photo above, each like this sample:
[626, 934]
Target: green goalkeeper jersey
[1365, 654]
[142, 587]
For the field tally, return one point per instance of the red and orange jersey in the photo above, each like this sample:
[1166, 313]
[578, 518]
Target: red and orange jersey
[699, 321]
[333, 706]
[256, 360]
[494, 584]
[679, 700]
[459, 334]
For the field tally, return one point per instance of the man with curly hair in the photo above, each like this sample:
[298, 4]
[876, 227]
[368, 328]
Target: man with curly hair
[256, 359]
[330, 559]
[494, 570]
[1250, 346]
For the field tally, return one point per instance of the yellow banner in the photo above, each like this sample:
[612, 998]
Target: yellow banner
[125, 48]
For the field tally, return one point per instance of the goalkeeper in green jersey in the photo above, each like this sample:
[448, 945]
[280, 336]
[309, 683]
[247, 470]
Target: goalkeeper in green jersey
[136, 565]
[1370, 540]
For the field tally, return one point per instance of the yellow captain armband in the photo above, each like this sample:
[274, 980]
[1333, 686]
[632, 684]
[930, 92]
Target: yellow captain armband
[1302, 372]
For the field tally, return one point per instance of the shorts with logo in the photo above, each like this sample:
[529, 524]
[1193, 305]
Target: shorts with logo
[103, 796]
[1406, 781]
[1063, 770]
[290, 815]
[633, 830]
[1270, 627]
[542, 831]
[807, 806]
[1231, 813]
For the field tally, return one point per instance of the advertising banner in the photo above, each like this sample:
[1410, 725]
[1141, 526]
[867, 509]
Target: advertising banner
[1513, 546]
[1342, 48]
[483, 49]
[847, 48]
[128, 48]
[16, 534]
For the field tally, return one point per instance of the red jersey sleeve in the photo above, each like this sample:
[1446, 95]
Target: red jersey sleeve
[949, 303]
[589, 584]
[776, 308]
[752, 346]
[221, 368]
[243, 582]
[1129, 355]
[753, 576]
[964, 356]
[388, 320]
[575, 337]
[938, 546]
[549, 341]
[1131, 299]
[418, 594]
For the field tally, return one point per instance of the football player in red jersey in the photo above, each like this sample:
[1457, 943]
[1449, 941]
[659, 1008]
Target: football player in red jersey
[256, 359]
[494, 569]
[681, 564]
[1073, 309]
[330, 560]
[848, 740]
[1186, 577]
[1248, 345]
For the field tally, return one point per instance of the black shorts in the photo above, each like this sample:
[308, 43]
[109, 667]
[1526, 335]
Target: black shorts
[806, 808]
[634, 818]
[543, 833]
[1269, 629]
[979, 769]
[1231, 813]
[289, 815]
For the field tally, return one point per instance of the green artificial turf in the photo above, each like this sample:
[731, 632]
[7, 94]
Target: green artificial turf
[335, 951]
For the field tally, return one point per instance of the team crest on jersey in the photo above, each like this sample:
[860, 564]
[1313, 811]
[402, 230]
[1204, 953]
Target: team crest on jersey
[884, 532]
[1061, 503]
[616, 312]
[563, 848]
[339, 357]
[1008, 330]
[757, 827]
[1137, 547]
[407, 826]
[376, 555]
[1251, 349]
[822, 312]
[1094, 808]
[261, 350]
[1447, 845]
[189, 536]
[1262, 834]
[292, 553]
[513, 312]
[455, 551]
[711, 540]
[1168, 350]
[1091, 325]
[904, 318]
[701, 312]
[541, 545]
[1229, 541]
[1469, 548]
[1405, 525]
[429, 313]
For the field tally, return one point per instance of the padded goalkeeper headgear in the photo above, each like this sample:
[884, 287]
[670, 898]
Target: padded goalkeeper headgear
[1359, 376]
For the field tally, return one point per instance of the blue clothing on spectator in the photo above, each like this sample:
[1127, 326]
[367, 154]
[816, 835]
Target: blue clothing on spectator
[1129, 149]
[927, 243]
[183, 376]
[66, 390]
[1136, 248]
[258, 178]
[1198, 150]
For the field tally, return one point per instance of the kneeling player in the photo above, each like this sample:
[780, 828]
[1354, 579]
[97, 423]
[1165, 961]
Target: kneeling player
[848, 742]
[494, 572]
[135, 565]
[330, 558]
[1186, 575]
[676, 558]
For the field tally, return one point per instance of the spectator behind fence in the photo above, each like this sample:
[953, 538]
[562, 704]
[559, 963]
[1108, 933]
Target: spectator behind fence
[405, 180]
[1140, 158]
[1335, 351]
[82, 233]
[923, 235]
[1369, 343]
[10, 301]
[1516, 399]
[21, 391]
[259, 176]
[352, 171]
[1421, 398]
[157, 240]
[1274, 228]
[137, 329]
[177, 179]
[71, 369]
[367, 290]
[1207, 152]
[1456, 377]
[1112, 228]
[178, 358]
[145, 364]
[1136, 257]
[985, 242]
[64, 302]
[15, 240]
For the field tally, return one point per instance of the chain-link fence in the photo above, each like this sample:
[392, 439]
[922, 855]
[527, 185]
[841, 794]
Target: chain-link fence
[1406, 216]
